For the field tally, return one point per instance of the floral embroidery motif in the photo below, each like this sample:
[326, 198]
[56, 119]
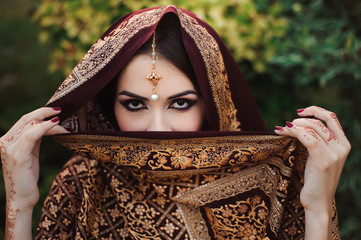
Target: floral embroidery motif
[205, 154]
[106, 48]
[101, 53]
[46, 223]
[283, 185]
[216, 72]
[169, 228]
[242, 220]
[230, 187]
[182, 159]
[106, 201]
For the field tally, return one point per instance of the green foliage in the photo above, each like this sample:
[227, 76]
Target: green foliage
[25, 86]
[294, 54]
[74, 26]
[318, 62]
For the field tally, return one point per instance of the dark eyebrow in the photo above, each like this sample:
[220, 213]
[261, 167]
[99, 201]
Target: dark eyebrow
[129, 94]
[182, 94]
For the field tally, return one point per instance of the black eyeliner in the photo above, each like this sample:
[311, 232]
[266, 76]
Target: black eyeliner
[127, 102]
[190, 103]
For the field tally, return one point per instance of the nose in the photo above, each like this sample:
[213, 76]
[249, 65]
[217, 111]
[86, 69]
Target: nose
[158, 122]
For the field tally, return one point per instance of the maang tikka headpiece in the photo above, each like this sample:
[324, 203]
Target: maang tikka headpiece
[153, 76]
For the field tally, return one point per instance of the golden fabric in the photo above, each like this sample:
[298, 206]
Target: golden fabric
[224, 185]
[230, 187]
[104, 50]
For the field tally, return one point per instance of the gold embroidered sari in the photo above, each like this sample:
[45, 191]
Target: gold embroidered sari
[217, 184]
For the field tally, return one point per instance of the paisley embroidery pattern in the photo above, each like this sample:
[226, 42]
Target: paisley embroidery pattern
[245, 219]
[103, 51]
[216, 72]
[226, 187]
[255, 199]
[193, 153]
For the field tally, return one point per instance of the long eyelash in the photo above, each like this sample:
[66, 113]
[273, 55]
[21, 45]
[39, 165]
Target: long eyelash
[191, 103]
[126, 103]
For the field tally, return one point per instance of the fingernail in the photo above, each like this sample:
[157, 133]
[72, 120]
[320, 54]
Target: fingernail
[56, 119]
[68, 129]
[288, 124]
[57, 108]
[300, 110]
[278, 127]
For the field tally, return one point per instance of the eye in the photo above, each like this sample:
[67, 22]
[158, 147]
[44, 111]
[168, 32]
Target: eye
[134, 105]
[182, 104]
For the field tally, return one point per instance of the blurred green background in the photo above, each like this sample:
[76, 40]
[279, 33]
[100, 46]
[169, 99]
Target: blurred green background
[293, 54]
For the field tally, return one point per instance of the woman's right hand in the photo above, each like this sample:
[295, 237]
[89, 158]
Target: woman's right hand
[20, 162]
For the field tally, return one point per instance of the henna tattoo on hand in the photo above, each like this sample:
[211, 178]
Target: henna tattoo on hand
[12, 137]
[325, 130]
[312, 134]
[336, 119]
[331, 137]
[11, 212]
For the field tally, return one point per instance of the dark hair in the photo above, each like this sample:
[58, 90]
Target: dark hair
[169, 45]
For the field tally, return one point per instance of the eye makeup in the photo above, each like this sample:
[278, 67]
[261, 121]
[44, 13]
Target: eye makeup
[133, 105]
[178, 102]
[182, 104]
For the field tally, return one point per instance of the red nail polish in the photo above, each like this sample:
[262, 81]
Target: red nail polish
[57, 108]
[68, 129]
[300, 110]
[288, 124]
[278, 127]
[56, 119]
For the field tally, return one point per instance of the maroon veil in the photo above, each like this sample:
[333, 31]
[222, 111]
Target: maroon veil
[218, 184]
[216, 71]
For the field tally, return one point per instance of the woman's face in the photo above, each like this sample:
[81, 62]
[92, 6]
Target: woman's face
[179, 107]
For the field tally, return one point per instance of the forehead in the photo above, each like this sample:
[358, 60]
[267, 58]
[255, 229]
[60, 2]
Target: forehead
[133, 76]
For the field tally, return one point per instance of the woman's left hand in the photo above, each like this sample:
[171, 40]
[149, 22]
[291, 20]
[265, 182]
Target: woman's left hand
[328, 149]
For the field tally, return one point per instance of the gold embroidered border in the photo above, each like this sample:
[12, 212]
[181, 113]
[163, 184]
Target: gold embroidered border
[104, 50]
[194, 222]
[176, 154]
[242, 219]
[179, 174]
[216, 72]
[261, 176]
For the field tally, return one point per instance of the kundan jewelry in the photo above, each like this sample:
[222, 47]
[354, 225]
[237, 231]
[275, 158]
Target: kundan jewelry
[153, 76]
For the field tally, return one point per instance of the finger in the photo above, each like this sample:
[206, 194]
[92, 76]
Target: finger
[329, 117]
[56, 130]
[280, 130]
[326, 134]
[332, 123]
[36, 133]
[36, 115]
[307, 136]
[301, 133]
[40, 114]
[14, 136]
[325, 153]
[324, 156]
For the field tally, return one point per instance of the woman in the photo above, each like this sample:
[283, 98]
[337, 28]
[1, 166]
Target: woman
[164, 69]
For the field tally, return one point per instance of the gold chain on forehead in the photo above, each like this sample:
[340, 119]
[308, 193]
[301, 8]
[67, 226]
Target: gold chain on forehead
[153, 76]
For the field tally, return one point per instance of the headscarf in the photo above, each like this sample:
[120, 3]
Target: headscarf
[216, 184]
[216, 71]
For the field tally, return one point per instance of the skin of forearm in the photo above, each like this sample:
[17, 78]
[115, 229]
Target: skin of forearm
[318, 224]
[18, 221]
[18, 226]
